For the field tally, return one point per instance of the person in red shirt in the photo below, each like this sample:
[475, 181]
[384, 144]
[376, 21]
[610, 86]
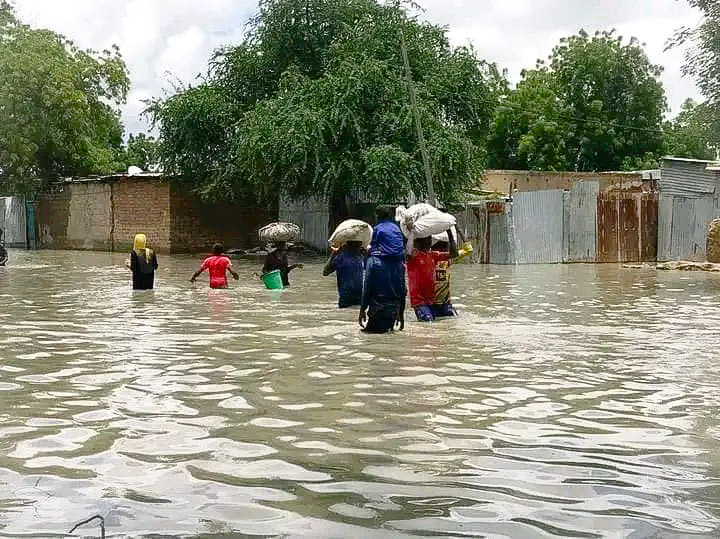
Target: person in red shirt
[217, 265]
[421, 268]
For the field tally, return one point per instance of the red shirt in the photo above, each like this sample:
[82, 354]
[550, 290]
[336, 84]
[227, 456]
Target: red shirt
[216, 266]
[421, 276]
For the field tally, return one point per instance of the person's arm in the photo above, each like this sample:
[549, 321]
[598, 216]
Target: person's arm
[197, 273]
[453, 246]
[365, 299]
[132, 263]
[232, 272]
[330, 266]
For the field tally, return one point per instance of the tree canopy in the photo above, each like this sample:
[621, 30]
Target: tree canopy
[58, 106]
[596, 102]
[315, 102]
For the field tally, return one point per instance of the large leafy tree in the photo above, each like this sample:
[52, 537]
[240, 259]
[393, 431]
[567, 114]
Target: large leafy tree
[58, 107]
[315, 102]
[692, 132]
[596, 102]
[702, 62]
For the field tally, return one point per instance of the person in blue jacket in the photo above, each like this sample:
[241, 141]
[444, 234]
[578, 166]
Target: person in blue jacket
[382, 307]
[348, 263]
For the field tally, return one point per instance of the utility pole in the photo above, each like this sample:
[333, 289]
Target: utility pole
[432, 198]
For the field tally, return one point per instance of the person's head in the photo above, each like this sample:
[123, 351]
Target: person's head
[354, 246]
[140, 242]
[423, 244]
[442, 246]
[384, 212]
[218, 249]
[280, 246]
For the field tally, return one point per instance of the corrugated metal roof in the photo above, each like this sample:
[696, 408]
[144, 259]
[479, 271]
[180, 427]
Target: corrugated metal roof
[688, 178]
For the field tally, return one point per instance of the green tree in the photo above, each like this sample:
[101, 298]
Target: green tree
[58, 107]
[315, 102]
[692, 133]
[596, 102]
[141, 151]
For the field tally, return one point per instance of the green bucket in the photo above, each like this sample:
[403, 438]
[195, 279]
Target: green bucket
[273, 280]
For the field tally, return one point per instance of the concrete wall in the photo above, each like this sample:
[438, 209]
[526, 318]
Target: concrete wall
[106, 213]
[13, 221]
[511, 181]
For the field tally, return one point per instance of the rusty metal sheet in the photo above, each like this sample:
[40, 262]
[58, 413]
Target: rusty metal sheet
[607, 228]
[649, 212]
[628, 228]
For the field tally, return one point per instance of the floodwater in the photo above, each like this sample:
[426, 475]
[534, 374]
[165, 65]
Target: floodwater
[566, 401]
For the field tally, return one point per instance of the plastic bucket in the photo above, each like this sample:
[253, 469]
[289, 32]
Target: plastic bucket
[273, 280]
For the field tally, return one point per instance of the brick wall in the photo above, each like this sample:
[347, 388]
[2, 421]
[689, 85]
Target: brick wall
[195, 226]
[106, 213]
[141, 207]
[52, 212]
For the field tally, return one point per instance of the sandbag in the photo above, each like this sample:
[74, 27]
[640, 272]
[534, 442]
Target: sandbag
[351, 230]
[423, 220]
[279, 232]
[444, 237]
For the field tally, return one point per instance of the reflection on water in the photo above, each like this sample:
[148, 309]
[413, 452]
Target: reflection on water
[567, 400]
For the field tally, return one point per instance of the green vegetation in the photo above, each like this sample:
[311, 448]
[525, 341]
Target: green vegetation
[595, 103]
[58, 107]
[315, 102]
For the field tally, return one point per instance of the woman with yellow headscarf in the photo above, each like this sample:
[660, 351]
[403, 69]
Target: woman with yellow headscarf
[143, 263]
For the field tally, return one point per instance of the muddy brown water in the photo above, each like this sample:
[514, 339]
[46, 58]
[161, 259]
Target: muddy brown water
[565, 401]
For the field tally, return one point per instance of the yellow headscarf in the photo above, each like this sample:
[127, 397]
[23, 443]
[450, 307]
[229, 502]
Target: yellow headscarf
[139, 242]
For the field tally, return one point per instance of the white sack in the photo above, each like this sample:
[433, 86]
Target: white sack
[279, 232]
[444, 237]
[351, 230]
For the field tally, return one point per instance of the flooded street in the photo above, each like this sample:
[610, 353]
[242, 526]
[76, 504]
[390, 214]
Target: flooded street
[567, 400]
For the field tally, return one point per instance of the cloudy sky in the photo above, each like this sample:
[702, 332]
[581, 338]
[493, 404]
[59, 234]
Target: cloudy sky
[167, 40]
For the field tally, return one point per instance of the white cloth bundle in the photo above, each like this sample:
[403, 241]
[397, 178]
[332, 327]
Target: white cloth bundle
[279, 232]
[351, 230]
[422, 220]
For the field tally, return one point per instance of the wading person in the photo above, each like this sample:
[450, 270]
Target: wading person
[383, 298]
[348, 263]
[277, 259]
[423, 267]
[143, 263]
[443, 303]
[217, 266]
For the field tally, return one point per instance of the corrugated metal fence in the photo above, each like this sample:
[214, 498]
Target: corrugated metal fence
[682, 226]
[13, 222]
[312, 215]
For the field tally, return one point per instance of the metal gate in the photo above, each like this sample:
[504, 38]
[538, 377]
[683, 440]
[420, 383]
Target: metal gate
[627, 227]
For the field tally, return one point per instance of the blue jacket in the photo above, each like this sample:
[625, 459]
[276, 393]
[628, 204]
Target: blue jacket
[387, 240]
[384, 283]
[349, 270]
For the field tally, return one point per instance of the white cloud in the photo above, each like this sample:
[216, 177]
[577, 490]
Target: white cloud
[157, 36]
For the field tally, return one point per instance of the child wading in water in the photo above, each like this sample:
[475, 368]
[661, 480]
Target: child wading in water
[348, 263]
[277, 259]
[217, 265]
[422, 276]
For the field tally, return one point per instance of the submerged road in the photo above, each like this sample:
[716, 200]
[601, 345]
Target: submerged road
[567, 400]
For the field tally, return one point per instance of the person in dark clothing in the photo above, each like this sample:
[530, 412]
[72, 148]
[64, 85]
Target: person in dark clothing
[3, 252]
[348, 263]
[383, 298]
[143, 263]
[277, 259]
